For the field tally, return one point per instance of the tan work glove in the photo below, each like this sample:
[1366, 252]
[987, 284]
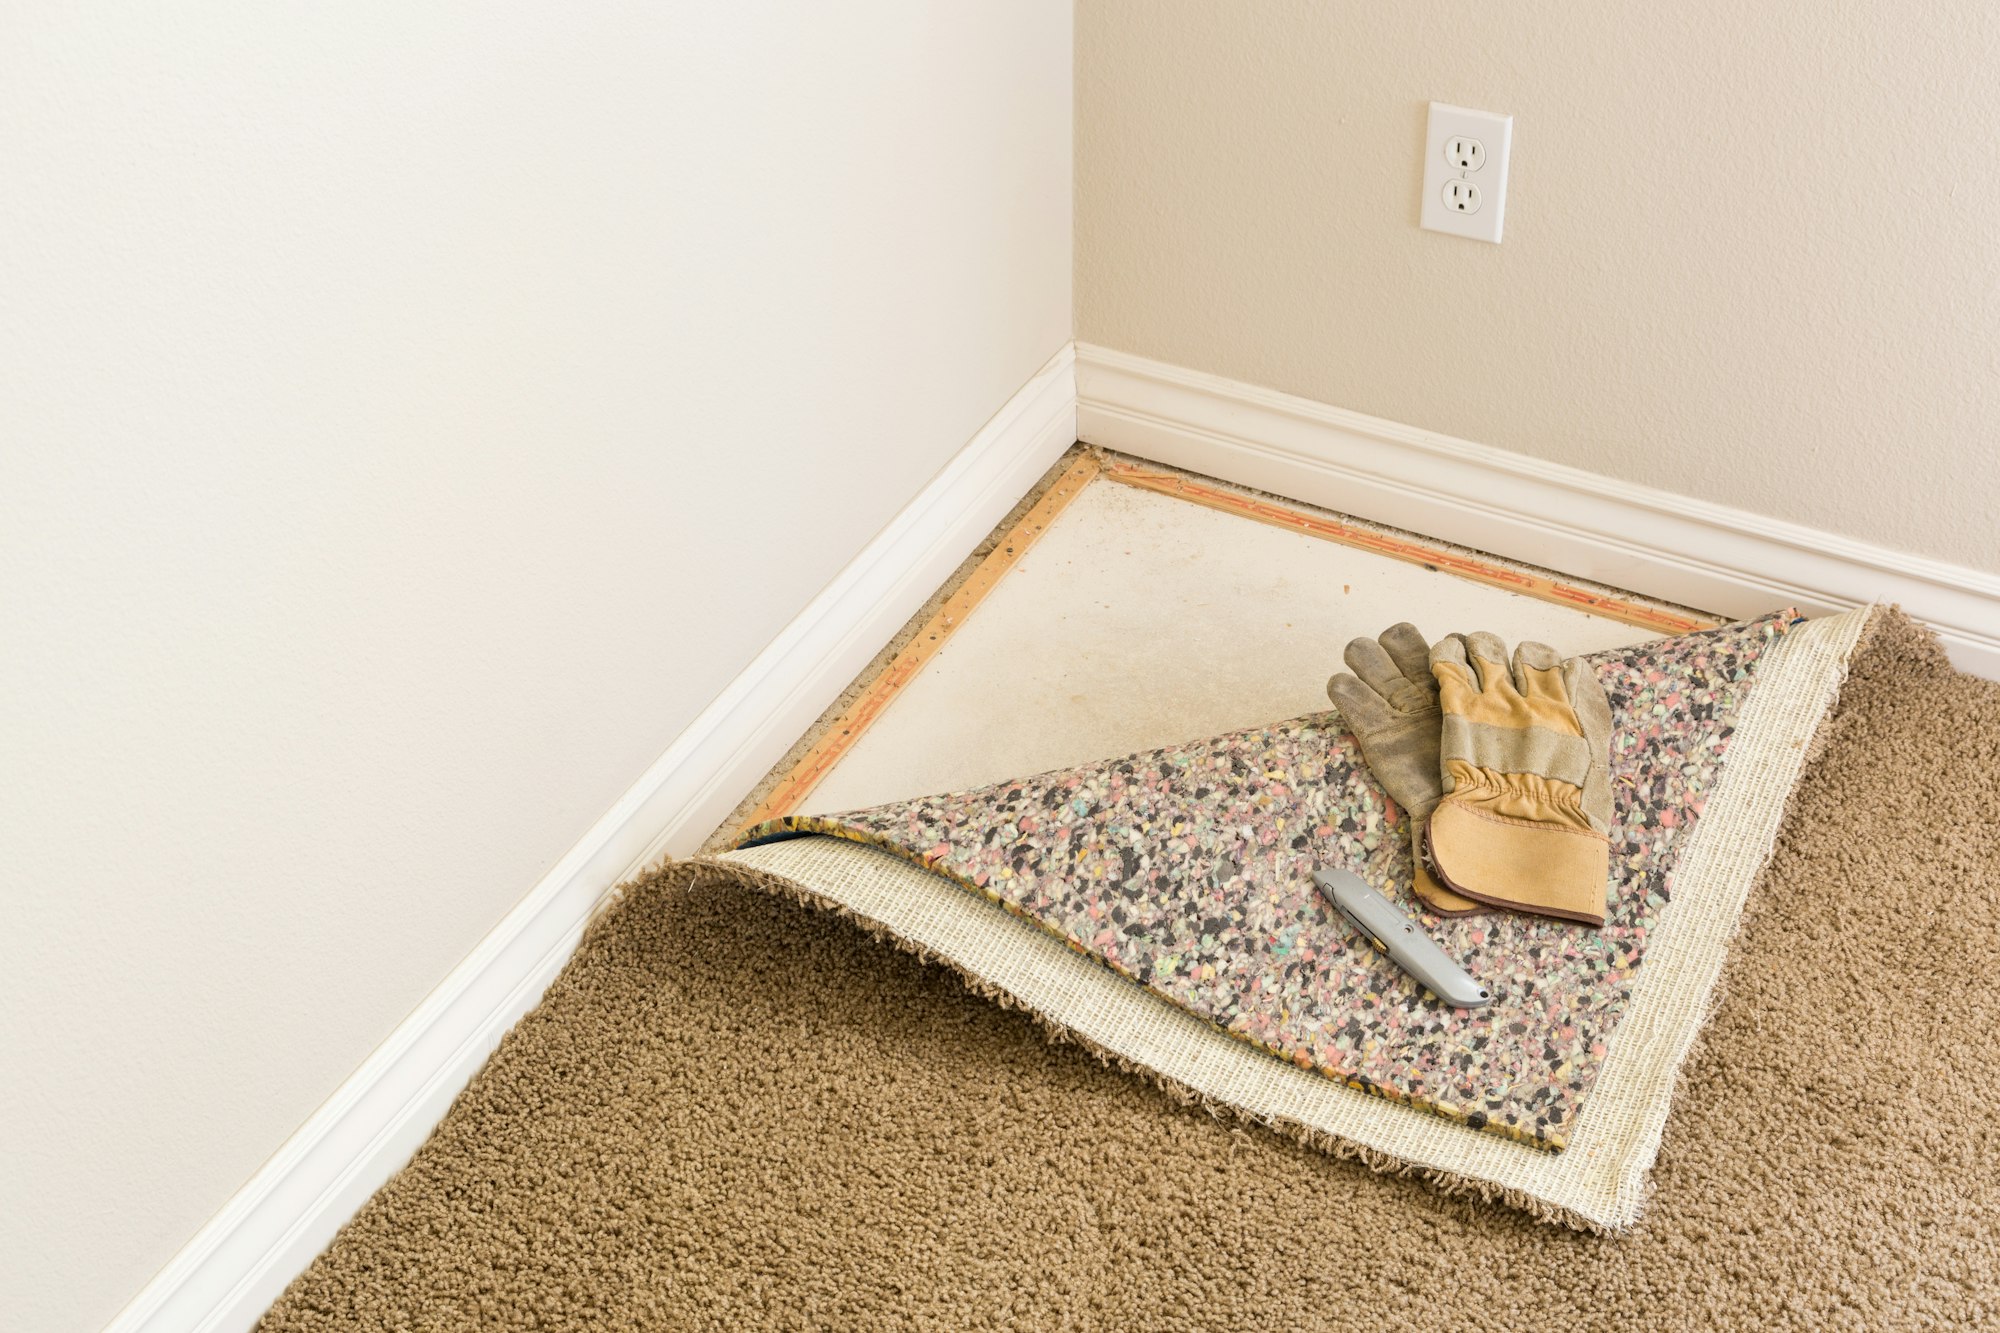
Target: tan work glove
[1392, 709]
[1525, 756]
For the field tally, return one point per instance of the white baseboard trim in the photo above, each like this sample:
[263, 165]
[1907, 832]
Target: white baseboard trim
[232, 1270]
[1633, 537]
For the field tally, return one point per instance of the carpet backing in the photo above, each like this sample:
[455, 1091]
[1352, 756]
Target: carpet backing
[731, 1111]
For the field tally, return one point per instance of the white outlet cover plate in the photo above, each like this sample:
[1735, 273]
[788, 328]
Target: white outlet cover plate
[1495, 134]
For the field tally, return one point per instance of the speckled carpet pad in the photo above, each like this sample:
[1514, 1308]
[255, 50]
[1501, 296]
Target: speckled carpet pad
[1188, 870]
[733, 1112]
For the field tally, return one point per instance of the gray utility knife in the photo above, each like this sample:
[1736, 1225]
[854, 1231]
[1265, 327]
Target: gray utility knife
[1393, 934]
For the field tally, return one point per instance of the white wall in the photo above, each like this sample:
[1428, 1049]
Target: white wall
[410, 417]
[1752, 250]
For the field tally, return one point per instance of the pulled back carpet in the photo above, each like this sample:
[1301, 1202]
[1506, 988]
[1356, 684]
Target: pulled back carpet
[733, 1111]
[1160, 907]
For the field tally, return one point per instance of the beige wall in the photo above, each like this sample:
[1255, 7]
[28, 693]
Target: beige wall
[1752, 253]
[410, 417]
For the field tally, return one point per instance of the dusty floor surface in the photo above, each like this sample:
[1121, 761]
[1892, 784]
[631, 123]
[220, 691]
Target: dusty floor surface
[731, 1112]
[1139, 621]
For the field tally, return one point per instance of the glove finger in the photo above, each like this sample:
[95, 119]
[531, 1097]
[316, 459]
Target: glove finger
[1366, 659]
[1489, 656]
[1411, 652]
[1593, 715]
[1591, 704]
[1456, 686]
[1536, 672]
[1364, 711]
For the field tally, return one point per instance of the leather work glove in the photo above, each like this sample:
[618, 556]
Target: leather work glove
[1392, 709]
[1525, 758]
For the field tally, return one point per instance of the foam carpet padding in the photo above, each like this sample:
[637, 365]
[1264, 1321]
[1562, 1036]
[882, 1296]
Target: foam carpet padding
[1714, 732]
[734, 1112]
[1187, 869]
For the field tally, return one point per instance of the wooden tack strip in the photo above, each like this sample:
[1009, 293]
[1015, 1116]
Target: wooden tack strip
[840, 737]
[1402, 548]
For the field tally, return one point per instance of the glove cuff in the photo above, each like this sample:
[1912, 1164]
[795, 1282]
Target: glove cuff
[1436, 898]
[1546, 869]
[1519, 795]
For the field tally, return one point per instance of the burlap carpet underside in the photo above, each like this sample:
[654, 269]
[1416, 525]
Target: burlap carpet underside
[731, 1111]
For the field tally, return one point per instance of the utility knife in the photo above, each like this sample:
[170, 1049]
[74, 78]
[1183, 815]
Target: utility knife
[1397, 938]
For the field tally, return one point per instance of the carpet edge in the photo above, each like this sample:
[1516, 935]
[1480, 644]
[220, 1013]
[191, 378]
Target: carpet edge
[714, 871]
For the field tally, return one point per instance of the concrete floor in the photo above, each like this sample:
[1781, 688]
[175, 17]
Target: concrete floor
[1140, 620]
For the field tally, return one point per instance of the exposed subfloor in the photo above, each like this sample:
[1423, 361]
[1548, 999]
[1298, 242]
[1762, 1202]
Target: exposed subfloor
[1141, 619]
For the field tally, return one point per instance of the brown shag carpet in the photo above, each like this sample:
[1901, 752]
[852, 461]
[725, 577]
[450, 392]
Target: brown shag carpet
[731, 1112]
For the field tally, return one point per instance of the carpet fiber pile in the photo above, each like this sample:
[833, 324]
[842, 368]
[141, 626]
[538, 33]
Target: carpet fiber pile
[734, 1112]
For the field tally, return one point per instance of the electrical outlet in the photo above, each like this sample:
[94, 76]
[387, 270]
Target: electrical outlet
[1465, 172]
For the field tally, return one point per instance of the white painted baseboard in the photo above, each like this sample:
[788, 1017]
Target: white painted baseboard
[1648, 541]
[238, 1264]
